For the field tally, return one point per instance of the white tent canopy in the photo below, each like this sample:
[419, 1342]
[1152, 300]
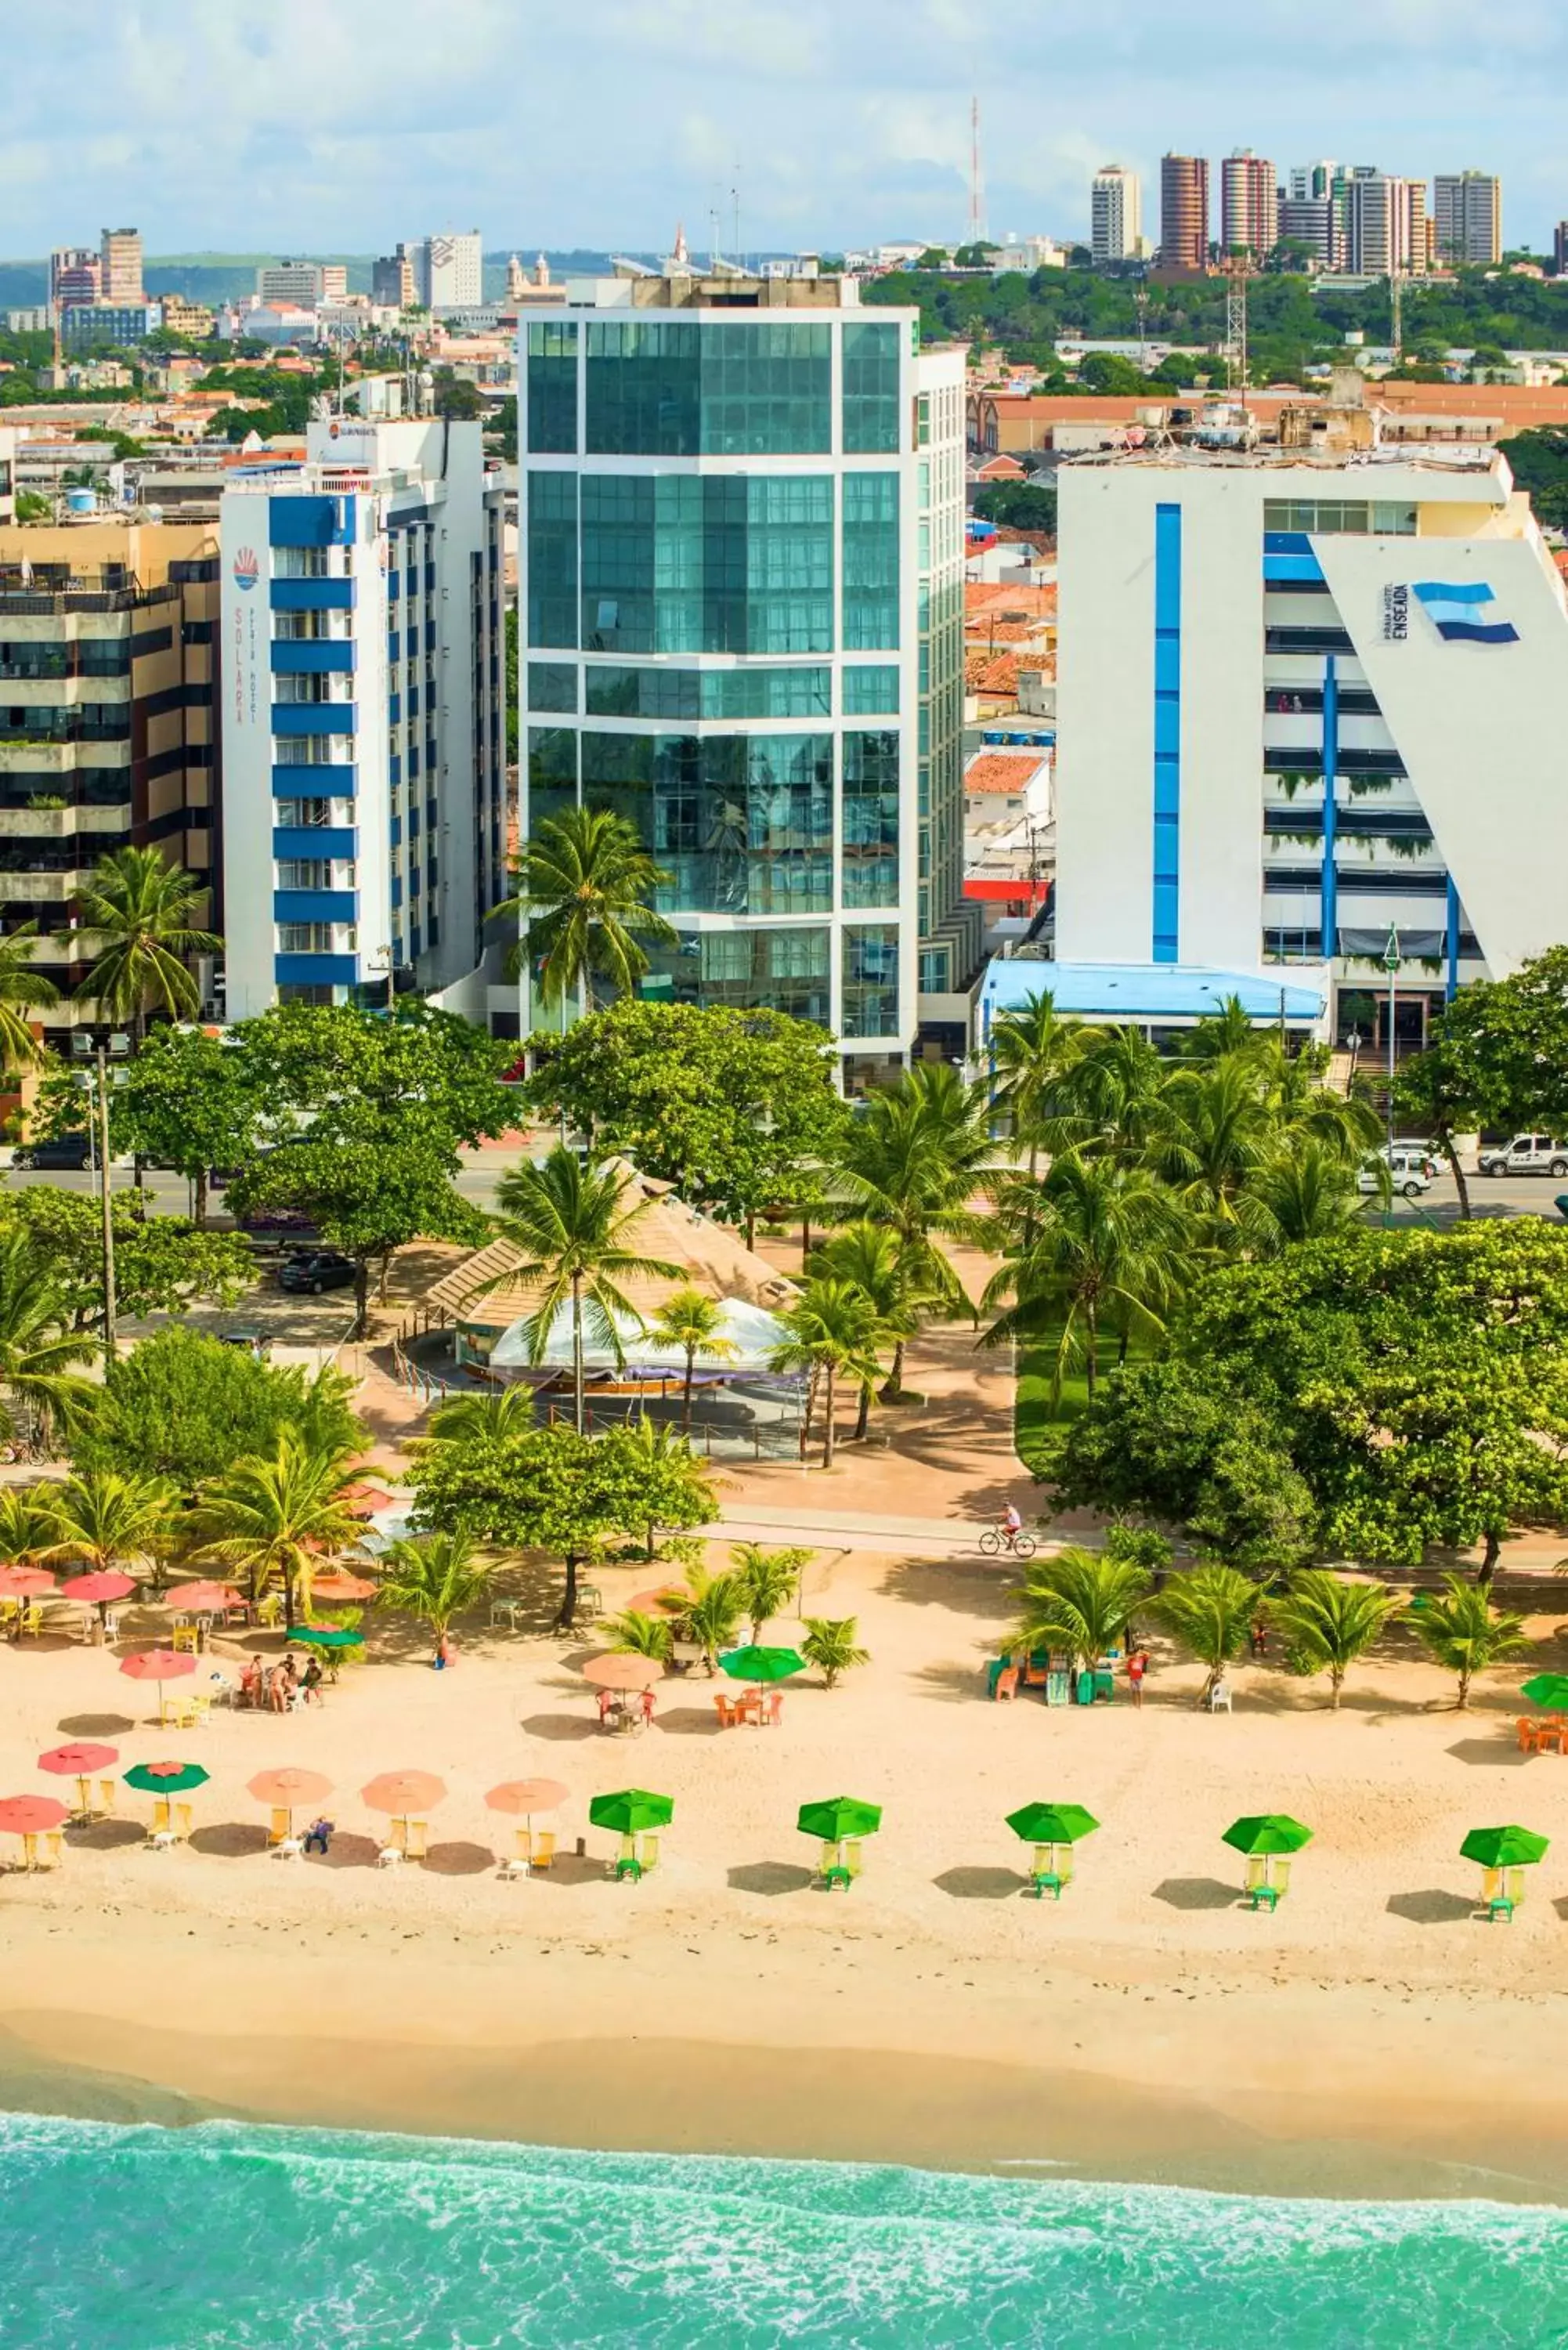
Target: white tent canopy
[754, 1335]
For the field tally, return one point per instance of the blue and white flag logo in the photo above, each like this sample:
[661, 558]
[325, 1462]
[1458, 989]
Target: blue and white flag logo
[1460, 612]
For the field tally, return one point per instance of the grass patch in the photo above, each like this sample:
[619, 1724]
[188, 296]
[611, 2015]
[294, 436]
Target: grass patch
[1036, 1413]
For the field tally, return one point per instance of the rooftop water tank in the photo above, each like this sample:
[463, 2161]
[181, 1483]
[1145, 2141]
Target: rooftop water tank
[81, 501]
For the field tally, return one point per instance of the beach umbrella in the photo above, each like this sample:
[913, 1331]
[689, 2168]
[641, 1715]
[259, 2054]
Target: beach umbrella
[336, 1585]
[837, 1817]
[364, 1501]
[98, 1588]
[1549, 1689]
[404, 1794]
[25, 1582]
[1267, 1832]
[1503, 1847]
[632, 1810]
[327, 1635]
[79, 1762]
[31, 1815]
[202, 1598]
[761, 1664]
[157, 1665]
[1052, 1824]
[526, 1796]
[287, 1787]
[617, 1672]
[662, 1601]
[167, 1778]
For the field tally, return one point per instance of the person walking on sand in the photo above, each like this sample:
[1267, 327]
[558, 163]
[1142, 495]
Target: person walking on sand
[1137, 1665]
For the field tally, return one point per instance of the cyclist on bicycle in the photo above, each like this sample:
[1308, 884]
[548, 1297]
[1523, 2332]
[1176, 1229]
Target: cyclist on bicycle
[1011, 1523]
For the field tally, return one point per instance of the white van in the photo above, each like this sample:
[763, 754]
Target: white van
[1527, 1154]
[1409, 1173]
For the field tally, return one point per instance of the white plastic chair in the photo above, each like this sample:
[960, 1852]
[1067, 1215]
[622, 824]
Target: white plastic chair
[1220, 1699]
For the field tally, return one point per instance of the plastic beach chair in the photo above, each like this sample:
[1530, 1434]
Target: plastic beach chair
[277, 1827]
[414, 1844]
[106, 1795]
[543, 1852]
[832, 1867]
[1527, 1735]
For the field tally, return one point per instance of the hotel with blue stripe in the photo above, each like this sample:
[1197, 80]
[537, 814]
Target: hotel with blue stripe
[1308, 695]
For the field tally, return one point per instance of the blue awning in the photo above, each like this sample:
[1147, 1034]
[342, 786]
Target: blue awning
[1112, 991]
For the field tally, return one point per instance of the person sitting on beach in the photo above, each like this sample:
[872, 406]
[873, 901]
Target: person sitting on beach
[282, 1686]
[319, 1837]
[251, 1683]
[310, 1682]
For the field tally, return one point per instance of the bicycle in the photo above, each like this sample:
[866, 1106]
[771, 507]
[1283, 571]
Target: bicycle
[994, 1541]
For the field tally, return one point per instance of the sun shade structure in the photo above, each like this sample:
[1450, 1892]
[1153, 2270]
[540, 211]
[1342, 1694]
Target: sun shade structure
[289, 1785]
[1511, 1847]
[667, 1600]
[616, 1673]
[401, 1792]
[754, 1333]
[1052, 1823]
[97, 1588]
[1267, 1832]
[523, 1797]
[79, 1760]
[157, 1665]
[759, 1665]
[327, 1635]
[839, 1817]
[167, 1778]
[31, 1815]
[25, 1582]
[202, 1598]
[631, 1811]
[334, 1585]
[1549, 1689]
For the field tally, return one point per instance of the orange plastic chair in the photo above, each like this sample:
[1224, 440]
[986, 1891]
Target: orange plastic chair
[1528, 1738]
[1007, 1684]
[728, 1710]
[1552, 1735]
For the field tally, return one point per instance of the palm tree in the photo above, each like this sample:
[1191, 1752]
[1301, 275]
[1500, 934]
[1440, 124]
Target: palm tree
[140, 907]
[584, 883]
[694, 1322]
[432, 1578]
[897, 1281]
[483, 1418]
[708, 1610]
[769, 1579]
[278, 1517]
[832, 1335]
[21, 988]
[1113, 1090]
[662, 1459]
[1460, 1632]
[568, 1222]
[1328, 1621]
[830, 1644]
[1209, 1610]
[29, 1528]
[38, 1348]
[1229, 1030]
[1032, 1052]
[1211, 1130]
[1306, 1193]
[1096, 1242]
[637, 1635]
[109, 1519]
[1082, 1601]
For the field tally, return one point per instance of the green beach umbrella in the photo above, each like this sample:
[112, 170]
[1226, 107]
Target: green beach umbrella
[327, 1635]
[1268, 1832]
[632, 1810]
[1052, 1823]
[839, 1816]
[1549, 1689]
[763, 1664]
[166, 1778]
[1503, 1847]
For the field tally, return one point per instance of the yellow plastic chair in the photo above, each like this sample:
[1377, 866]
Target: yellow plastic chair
[106, 1796]
[852, 1857]
[33, 1618]
[54, 1839]
[414, 1848]
[182, 1821]
[269, 1610]
[543, 1852]
[186, 1640]
[201, 1711]
[1282, 1877]
[277, 1827]
[650, 1854]
[1257, 1873]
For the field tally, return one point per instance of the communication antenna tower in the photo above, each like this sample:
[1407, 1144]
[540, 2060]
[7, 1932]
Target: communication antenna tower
[1238, 269]
[1396, 307]
[976, 184]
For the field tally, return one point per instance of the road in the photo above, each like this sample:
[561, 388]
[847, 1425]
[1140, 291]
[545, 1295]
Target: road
[169, 1195]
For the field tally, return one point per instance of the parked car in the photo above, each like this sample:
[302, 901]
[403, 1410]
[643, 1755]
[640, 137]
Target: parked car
[1408, 1172]
[58, 1150]
[316, 1269]
[1527, 1154]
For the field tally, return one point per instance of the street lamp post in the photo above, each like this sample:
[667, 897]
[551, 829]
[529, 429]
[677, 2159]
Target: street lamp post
[109, 1299]
[1391, 965]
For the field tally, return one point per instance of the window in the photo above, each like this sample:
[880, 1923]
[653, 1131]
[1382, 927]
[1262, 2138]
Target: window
[868, 823]
[552, 386]
[309, 751]
[780, 971]
[552, 559]
[299, 873]
[713, 565]
[553, 685]
[871, 981]
[871, 390]
[870, 562]
[304, 563]
[672, 387]
[316, 938]
[691, 693]
[936, 971]
[743, 823]
[871, 691]
[551, 771]
[1339, 517]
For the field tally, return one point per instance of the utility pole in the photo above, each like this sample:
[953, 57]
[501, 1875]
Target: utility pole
[109, 1303]
[1391, 965]
[1238, 269]
[1396, 329]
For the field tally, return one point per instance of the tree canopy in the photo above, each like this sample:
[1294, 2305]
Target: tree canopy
[184, 1406]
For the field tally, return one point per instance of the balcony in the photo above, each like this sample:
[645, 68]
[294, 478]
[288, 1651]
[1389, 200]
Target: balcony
[312, 655]
[42, 757]
[294, 720]
[315, 905]
[63, 822]
[312, 595]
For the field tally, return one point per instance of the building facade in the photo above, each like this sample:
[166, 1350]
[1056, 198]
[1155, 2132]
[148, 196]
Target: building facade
[105, 326]
[1184, 213]
[448, 271]
[1467, 214]
[1249, 204]
[741, 583]
[1309, 222]
[1115, 224]
[1283, 686]
[306, 283]
[1385, 225]
[76, 275]
[364, 830]
[119, 258]
[109, 685]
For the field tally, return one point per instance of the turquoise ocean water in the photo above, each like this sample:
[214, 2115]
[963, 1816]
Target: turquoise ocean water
[223, 2235]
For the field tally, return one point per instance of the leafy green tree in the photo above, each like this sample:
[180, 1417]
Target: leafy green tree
[672, 1492]
[40, 1390]
[1082, 1601]
[694, 1322]
[769, 1579]
[163, 1264]
[1433, 1091]
[1210, 1611]
[737, 1109]
[183, 1406]
[366, 1198]
[1034, 1052]
[22, 989]
[1462, 1632]
[1018, 505]
[279, 1518]
[708, 1610]
[138, 908]
[832, 1335]
[830, 1644]
[1306, 1193]
[1328, 1622]
[585, 890]
[895, 1279]
[433, 1577]
[104, 1520]
[574, 1236]
[333, 1072]
[184, 1102]
[1504, 1046]
[29, 1528]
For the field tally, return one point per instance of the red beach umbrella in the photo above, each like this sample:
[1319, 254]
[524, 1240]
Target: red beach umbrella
[100, 1585]
[25, 1582]
[202, 1598]
[31, 1815]
[157, 1665]
[79, 1762]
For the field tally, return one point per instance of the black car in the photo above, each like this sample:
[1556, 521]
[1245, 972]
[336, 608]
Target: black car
[59, 1150]
[315, 1270]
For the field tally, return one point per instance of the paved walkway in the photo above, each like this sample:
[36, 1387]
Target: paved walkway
[939, 1538]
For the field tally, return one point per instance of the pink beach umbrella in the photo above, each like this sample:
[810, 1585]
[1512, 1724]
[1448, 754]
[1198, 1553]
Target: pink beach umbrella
[202, 1598]
[79, 1760]
[25, 1582]
[28, 1816]
[158, 1665]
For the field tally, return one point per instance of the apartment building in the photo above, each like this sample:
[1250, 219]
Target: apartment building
[1282, 684]
[306, 284]
[393, 280]
[448, 271]
[108, 681]
[1467, 214]
[76, 275]
[1184, 213]
[1308, 221]
[1116, 224]
[741, 581]
[364, 735]
[119, 260]
[1385, 225]
[1249, 204]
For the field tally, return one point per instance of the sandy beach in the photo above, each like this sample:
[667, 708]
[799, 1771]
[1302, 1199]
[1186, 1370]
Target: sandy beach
[1372, 2037]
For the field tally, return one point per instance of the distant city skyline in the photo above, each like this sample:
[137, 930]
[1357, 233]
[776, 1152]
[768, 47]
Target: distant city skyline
[297, 124]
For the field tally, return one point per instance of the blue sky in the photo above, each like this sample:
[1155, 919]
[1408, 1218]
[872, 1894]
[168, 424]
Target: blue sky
[343, 124]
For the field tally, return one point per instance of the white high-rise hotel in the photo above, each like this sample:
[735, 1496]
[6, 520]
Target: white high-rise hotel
[1304, 701]
[1115, 215]
[741, 582]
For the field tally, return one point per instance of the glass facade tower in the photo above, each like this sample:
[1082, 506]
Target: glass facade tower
[741, 594]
